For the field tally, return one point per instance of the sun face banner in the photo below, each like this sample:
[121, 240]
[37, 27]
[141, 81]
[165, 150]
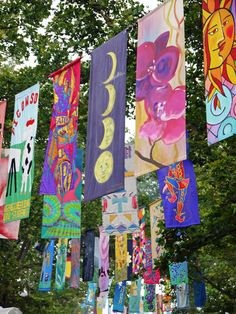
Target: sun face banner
[21, 167]
[62, 212]
[160, 81]
[179, 194]
[3, 106]
[104, 172]
[219, 46]
[59, 164]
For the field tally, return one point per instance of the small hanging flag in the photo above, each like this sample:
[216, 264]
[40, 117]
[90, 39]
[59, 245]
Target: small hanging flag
[119, 297]
[46, 273]
[149, 298]
[61, 264]
[182, 295]
[135, 296]
[75, 263]
[199, 292]
[178, 273]
[88, 261]
[90, 299]
[121, 258]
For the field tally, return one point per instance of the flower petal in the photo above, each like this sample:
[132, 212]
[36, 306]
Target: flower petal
[174, 130]
[142, 88]
[145, 59]
[152, 130]
[161, 42]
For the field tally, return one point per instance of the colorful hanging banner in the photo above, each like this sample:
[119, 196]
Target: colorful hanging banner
[129, 258]
[149, 298]
[61, 264]
[150, 276]
[90, 298]
[156, 217]
[21, 167]
[46, 273]
[135, 296]
[75, 263]
[96, 260]
[88, 261]
[103, 262]
[179, 194]
[119, 297]
[136, 253]
[178, 273]
[199, 291]
[8, 230]
[104, 171]
[182, 295]
[62, 212]
[121, 258]
[219, 68]
[160, 79]
[103, 296]
[68, 267]
[59, 165]
[3, 106]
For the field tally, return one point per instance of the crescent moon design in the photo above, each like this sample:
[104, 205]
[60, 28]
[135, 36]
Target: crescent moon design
[112, 97]
[109, 128]
[114, 64]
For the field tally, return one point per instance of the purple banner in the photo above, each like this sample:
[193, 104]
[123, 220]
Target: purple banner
[179, 194]
[104, 171]
[103, 262]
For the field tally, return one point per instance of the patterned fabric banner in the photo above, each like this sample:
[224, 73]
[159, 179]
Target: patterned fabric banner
[21, 167]
[199, 293]
[88, 261]
[104, 171]
[156, 216]
[160, 79]
[8, 230]
[75, 263]
[179, 194]
[59, 165]
[149, 298]
[103, 296]
[129, 258]
[135, 296]
[178, 273]
[151, 276]
[3, 106]
[103, 262]
[182, 295]
[119, 297]
[219, 68]
[136, 253]
[96, 260]
[46, 274]
[121, 258]
[61, 264]
[90, 298]
[62, 213]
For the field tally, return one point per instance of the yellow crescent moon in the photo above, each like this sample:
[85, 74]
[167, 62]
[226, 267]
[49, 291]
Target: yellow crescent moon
[109, 129]
[114, 64]
[112, 97]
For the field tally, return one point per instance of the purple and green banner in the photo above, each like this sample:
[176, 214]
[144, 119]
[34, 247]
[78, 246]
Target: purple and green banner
[149, 304]
[178, 273]
[104, 171]
[62, 212]
[61, 264]
[179, 194]
[46, 273]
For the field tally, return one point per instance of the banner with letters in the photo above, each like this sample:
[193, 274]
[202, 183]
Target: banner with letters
[160, 138]
[21, 157]
[104, 172]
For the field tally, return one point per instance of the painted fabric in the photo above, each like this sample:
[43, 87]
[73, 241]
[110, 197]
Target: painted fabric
[103, 262]
[135, 296]
[90, 299]
[88, 260]
[160, 79]
[219, 68]
[136, 253]
[59, 163]
[61, 264]
[179, 194]
[149, 298]
[104, 171]
[199, 293]
[75, 263]
[96, 260]
[156, 217]
[21, 168]
[62, 212]
[8, 230]
[46, 273]
[129, 258]
[121, 258]
[159, 303]
[178, 273]
[103, 296]
[182, 295]
[151, 276]
[3, 106]
[119, 297]
[68, 267]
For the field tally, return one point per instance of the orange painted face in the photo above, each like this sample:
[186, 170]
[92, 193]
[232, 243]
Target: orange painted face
[220, 36]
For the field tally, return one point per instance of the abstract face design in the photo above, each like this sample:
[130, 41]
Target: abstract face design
[220, 36]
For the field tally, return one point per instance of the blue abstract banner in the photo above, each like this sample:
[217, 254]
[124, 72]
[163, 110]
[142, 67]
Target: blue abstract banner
[46, 274]
[119, 297]
[104, 171]
[88, 260]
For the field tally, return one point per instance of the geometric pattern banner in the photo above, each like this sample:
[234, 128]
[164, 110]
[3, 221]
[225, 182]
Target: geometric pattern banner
[160, 138]
[3, 106]
[104, 171]
[179, 194]
[219, 68]
[178, 273]
[59, 164]
[62, 213]
[21, 162]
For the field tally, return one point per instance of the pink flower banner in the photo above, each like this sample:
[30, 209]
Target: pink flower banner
[160, 89]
